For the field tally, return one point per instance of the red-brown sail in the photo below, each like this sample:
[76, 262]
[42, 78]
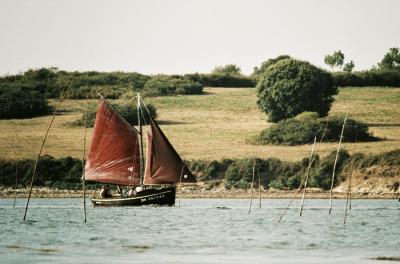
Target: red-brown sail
[114, 155]
[163, 164]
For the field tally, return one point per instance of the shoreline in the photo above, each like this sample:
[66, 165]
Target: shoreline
[205, 194]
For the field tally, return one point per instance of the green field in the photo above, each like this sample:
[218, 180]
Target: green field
[214, 125]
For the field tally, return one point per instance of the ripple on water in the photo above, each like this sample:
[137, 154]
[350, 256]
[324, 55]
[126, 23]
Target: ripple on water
[198, 229]
[45, 251]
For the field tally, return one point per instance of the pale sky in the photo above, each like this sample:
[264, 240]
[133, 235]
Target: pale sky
[185, 36]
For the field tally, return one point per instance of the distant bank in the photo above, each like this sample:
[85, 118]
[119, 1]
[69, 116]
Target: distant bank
[200, 192]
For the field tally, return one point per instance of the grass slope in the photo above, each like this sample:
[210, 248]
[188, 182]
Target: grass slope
[210, 126]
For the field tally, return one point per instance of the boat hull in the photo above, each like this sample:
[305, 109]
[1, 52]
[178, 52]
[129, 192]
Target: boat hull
[163, 196]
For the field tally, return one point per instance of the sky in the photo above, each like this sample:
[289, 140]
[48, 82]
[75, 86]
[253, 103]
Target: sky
[186, 36]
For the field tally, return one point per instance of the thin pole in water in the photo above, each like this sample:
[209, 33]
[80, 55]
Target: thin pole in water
[302, 180]
[16, 183]
[15, 152]
[40, 153]
[180, 184]
[348, 199]
[351, 176]
[307, 175]
[259, 188]
[291, 201]
[334, 165]
[252, 185]
[84, 160]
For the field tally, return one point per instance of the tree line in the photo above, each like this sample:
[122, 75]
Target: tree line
[25, 95]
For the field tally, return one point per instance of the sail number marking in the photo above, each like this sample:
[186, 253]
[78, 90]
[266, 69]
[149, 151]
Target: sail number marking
[152, 198]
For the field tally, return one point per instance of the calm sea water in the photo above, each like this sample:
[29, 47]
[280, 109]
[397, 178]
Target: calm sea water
[199, 231]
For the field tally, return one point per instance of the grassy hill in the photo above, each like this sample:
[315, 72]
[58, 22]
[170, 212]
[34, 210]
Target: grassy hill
[210, 126]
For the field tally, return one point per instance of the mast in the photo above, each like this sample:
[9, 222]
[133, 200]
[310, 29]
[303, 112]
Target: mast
[140, 140]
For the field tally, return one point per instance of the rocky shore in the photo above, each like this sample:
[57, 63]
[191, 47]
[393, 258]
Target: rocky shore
[201, 192]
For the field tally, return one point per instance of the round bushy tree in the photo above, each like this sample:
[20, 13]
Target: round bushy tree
[257, 72]
[290, 87]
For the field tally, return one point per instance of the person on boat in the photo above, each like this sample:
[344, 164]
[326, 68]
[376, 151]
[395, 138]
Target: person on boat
[119, 191]
[124, 192]
[139, 189]
[131, 192]
[105, 192]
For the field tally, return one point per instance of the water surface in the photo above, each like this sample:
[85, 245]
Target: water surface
[199, 231]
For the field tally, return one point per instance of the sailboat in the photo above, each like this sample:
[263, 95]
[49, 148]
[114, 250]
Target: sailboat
[116, 157]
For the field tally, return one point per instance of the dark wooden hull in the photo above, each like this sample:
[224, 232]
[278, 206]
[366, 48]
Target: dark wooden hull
[163, 196]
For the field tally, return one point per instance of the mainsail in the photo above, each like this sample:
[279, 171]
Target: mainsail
[163, 164]
[114, 155]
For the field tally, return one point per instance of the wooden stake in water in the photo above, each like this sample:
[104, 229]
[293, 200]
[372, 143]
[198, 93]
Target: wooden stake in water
[301, 183]
[16, 183]
[40, 153]
[259, 188]
[252, 184]
[307, 175]
[351, 176]
[334, 165]
[180, 184]
[15, 153]
[348, 199]
[291, 201]
[84, 160]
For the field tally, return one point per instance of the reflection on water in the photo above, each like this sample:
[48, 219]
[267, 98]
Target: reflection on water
[200, 231]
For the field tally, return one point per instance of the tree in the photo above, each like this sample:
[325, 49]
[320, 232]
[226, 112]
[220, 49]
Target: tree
[348, 67]
[290, 87]
[334, 60]
[229, 69]
[391, 60]
[258, 71]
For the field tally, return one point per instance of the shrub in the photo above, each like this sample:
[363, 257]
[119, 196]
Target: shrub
[52, 83]
[229, 69]
[290, 87]
[322, 176]
[360, 160]
[22, 103]
[239, 174]
[83, 92]
[128, 112]
[209, 170]
[218, 80]
[303, 128]
[368, 78]
[168, 85]
[277, 174]
[277, 184]
[49, 171]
